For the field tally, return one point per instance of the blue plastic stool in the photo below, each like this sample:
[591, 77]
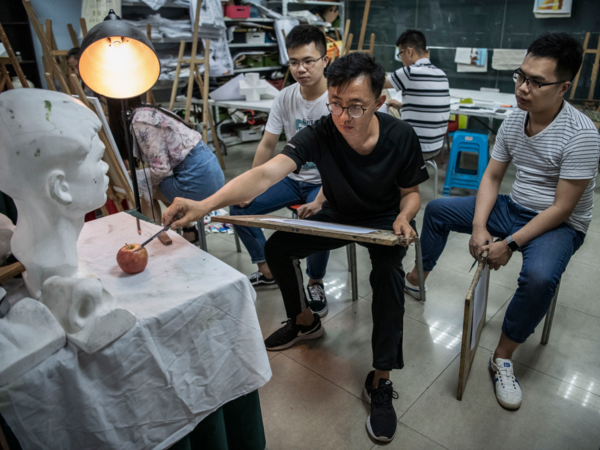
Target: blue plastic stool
[470, 142]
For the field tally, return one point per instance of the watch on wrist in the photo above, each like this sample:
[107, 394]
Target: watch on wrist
[512, 244]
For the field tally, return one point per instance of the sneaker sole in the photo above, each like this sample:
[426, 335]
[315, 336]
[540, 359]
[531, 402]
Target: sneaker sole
[264, 283]
[323, 312]
[380, 438]
[317, 334]
[501, 401]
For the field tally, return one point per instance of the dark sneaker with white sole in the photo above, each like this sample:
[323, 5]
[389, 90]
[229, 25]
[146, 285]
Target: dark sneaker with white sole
[381, 423]
[258, 279]
[316, 299]
[291, 333]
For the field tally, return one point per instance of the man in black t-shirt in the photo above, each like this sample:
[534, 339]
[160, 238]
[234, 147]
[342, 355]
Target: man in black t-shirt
[371, 165]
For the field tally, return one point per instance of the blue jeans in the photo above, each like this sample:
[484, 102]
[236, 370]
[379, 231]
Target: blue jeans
[287, 192]
[545, 258]
[197, 177]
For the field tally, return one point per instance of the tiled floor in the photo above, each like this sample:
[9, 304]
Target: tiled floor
[314, 399]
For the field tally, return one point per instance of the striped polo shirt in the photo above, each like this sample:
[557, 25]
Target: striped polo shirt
[425, 101]
[568, 148]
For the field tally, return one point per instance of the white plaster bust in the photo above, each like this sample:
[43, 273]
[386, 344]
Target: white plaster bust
[50, 164]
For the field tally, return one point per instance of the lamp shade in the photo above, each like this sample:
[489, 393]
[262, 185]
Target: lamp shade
[117, 60]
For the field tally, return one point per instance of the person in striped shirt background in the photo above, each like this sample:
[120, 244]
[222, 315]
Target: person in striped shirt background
[556, 150]
[425, 92]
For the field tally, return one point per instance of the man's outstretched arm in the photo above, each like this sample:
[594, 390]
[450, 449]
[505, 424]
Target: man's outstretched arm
[247, 186]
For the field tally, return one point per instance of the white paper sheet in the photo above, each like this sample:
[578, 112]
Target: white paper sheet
[505, 59]
[323, 225]
[479, 299]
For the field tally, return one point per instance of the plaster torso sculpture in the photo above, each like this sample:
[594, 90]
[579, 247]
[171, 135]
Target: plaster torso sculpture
[50, 164]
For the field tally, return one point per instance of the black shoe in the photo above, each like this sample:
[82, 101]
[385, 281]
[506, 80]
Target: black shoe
[317, 300]
[194, 230]
[258, 279]
[291, 333]
[381, 423]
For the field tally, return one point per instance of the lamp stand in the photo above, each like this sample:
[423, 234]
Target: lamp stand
[126, 115]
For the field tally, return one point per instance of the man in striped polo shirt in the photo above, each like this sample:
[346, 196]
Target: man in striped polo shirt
[555, 149]
[425, 92]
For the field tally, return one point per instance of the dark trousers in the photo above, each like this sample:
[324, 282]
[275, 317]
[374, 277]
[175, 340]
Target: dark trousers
[283, 252]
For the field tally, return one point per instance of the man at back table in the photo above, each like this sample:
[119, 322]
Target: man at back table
[555, 149]
[371, 166]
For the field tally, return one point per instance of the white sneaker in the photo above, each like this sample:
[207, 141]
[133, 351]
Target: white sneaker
[411, 290]
[508, 389]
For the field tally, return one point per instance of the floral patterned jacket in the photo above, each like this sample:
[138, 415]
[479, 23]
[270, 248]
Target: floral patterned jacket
[162, 141]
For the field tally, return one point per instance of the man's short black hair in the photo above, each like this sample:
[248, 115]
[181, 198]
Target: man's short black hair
[414, 39]
[349, 67]
[563, 48]
[74, 52]
[305, 34]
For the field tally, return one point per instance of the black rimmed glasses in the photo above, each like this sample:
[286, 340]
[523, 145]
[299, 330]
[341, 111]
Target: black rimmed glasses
[308, 64]
[519, 78]
[354, 111]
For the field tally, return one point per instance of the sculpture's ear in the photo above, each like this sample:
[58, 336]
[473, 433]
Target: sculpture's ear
[59, 188]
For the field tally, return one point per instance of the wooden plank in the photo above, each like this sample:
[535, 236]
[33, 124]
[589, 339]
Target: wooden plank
[381, 237]
[13, 60]
[345, 39]
[363, 26]
[349, 43]
[466, 354]
[73, 35]
[83, 26]
[176, 79]
[49, 82]
[372, 44]
[188, 100]
[11, 271]
[594, 72]
[576, 80]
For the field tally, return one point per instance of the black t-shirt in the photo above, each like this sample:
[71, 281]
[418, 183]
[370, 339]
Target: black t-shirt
[361, 185]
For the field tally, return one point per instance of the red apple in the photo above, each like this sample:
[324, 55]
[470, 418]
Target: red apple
[130, 260]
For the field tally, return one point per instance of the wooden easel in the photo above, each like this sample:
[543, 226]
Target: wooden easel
[73, 35]
[466, 354]
[59, 55]
[594, 69]
[195, 63]
[12, 60]
[50, 64]
[149, 94]
[115, 173]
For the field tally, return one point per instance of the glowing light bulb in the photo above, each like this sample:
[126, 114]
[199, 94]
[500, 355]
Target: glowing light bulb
[116, 44]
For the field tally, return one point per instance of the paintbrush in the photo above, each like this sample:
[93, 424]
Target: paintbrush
[153, 237]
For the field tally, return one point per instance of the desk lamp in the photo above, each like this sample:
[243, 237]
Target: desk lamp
[118, 61]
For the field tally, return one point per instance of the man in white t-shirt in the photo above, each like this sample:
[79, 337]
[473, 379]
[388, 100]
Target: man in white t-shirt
[555, 149]
[296, 107]
[425, 92]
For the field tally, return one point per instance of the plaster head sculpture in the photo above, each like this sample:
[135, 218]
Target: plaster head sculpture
[6, 231]
[50, 164]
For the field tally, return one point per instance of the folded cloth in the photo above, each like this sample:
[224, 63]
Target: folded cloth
[505, 59]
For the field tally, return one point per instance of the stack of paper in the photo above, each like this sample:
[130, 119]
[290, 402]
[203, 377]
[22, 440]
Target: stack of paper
[471, 59]
[545, 9]
[504, 59]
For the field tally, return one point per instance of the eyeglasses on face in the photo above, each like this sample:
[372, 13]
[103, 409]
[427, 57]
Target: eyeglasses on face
[534, 86]
[402, 51]
[307, 64]
[354, 111]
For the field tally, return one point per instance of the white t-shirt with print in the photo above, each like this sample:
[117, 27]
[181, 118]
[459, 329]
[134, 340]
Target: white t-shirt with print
[290, 113]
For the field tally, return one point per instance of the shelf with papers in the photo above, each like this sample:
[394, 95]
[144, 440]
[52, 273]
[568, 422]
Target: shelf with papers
[166, 5]
[255, 69]
[266, 44]
[251, 19]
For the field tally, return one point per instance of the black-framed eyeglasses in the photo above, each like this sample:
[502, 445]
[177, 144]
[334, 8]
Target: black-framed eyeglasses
[402, 51]
[354, 111]
[308, 64]
[519, 78]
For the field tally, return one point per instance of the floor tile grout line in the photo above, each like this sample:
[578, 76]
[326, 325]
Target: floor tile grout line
[425, 436]
[547, 374]
[325, 378]
[575, 309]
[431, 384]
